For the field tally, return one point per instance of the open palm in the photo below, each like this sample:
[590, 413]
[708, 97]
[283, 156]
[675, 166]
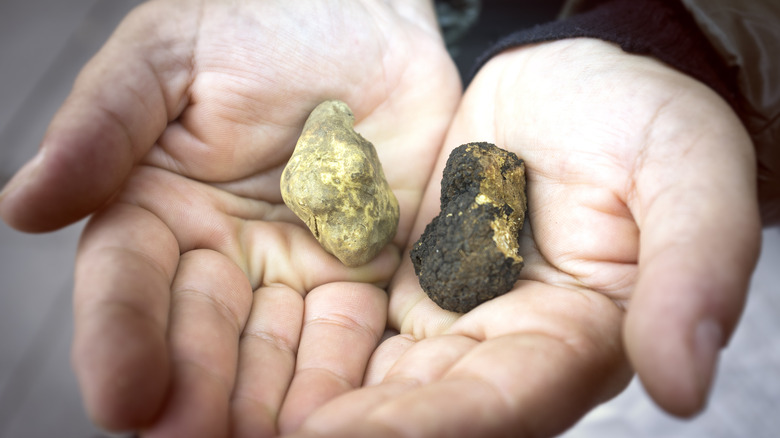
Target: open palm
[643, 233]
[198, 294]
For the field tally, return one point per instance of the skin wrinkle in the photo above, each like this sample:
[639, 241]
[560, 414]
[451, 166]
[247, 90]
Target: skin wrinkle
[117, 208]
[83, 362]
[648, 135]
[619, 288]
[261, 125]
[377, 416]
[342, 379]
[226, 313]
[500, 393]
[404, 328]
[268, 338]
[411, 378]
[583, 343]
[572, 283]
[134, 253]
[620, 208]
[582, 280]
[340, 320]
[225, 381]
[115, 120]
[581, 347]
[159, 157]
[261, 408]
[577, 344]
[103, 308]
[259, 405]
[172, 107]
[121, 311]
[652, 210]
[142, 99]
[169, 161]
[257, 261]
[592, 300]
[422, 330]
[641, 162]
[245, 209]
[100, 306]
[215, 232]
[260, 187]
[192, 64]
[265, 337]
[271, 275]
[174, 61]
[244, 263]
[389, 428]
[159, 94]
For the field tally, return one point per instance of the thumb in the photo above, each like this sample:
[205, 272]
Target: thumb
[119, 105]
[700, 238]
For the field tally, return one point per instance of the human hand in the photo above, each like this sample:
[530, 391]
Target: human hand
[176, 134]
[643, 232]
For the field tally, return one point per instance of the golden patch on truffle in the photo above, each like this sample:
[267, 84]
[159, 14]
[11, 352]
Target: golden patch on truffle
[335, 183]
[469, 253]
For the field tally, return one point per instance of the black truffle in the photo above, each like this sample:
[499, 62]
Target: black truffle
[469, 253]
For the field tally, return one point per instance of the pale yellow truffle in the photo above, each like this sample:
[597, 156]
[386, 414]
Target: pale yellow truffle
[334, 182]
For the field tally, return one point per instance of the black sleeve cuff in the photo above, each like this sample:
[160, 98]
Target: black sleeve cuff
[659, 28]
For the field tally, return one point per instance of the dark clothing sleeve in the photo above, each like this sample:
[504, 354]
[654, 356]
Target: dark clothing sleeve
[659, 28]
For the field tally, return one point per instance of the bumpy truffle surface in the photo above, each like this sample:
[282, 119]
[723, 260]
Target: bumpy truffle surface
[469, 253]
[335, 183]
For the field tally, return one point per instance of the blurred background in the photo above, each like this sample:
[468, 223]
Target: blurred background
[44, 43]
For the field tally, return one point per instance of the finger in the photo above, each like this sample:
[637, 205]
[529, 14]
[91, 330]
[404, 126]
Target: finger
[419, 363]
[530, 362]
[211, 298]
[390, 348]
[343, 323]
[410, 310]
[119, 105]
[299, 261]
[700, 235]
[124, 268]
[426, 360]
[517, 385]
[266, 364]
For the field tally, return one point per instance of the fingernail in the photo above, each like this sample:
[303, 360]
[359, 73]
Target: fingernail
[708, 342]
[24, 175]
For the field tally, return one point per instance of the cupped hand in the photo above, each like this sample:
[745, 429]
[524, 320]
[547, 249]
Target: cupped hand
[643, 232]
[203, 306]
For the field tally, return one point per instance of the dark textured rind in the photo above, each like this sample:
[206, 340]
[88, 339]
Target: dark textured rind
[335, 183]
[469, 253]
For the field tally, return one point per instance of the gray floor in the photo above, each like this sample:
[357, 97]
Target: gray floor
[43, 43]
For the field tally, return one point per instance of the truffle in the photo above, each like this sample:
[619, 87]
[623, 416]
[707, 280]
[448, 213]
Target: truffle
[335, 183]
[469, 253]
